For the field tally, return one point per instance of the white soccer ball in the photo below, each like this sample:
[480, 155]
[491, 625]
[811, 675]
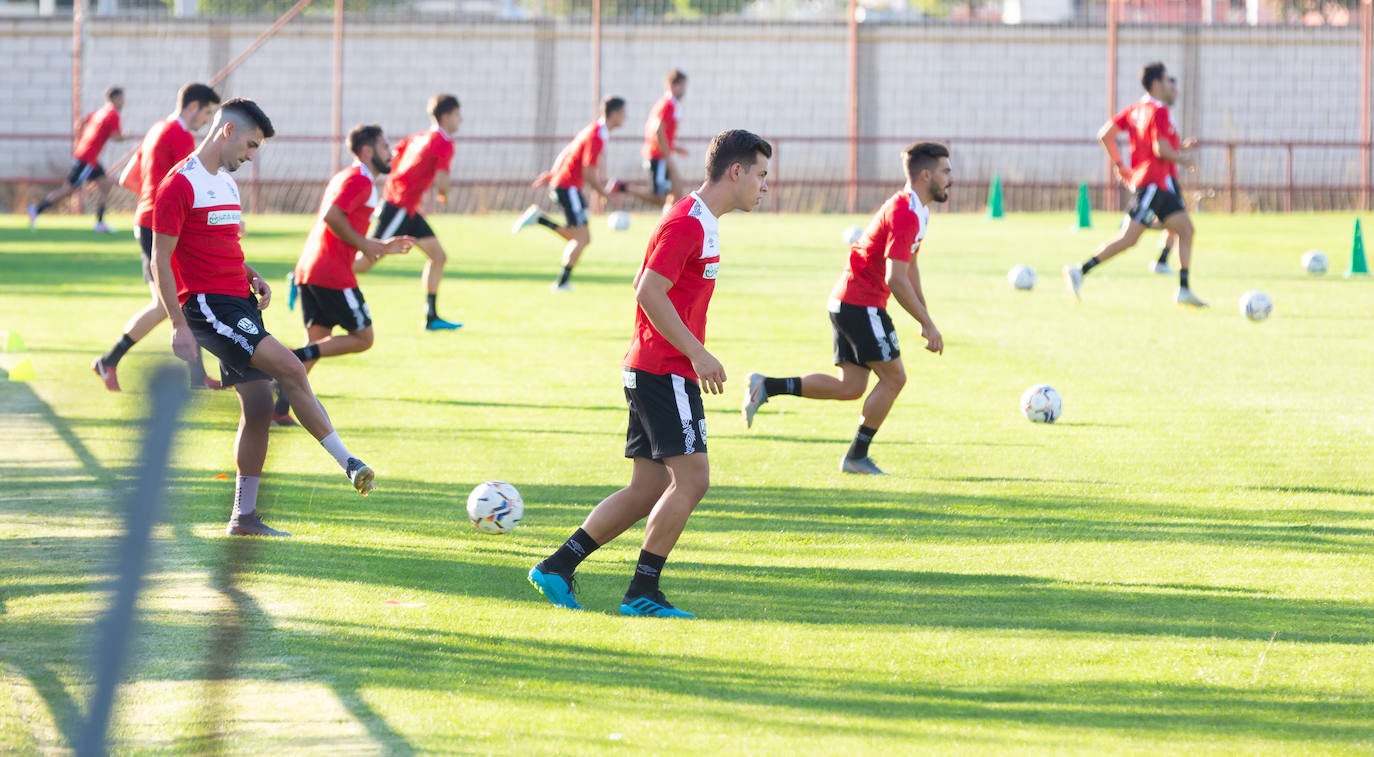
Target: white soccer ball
[1042, 404]
[1314, 262]
[1021, 277]
[619, 220]
[853, 234]
[1256, 305]
[495, 507]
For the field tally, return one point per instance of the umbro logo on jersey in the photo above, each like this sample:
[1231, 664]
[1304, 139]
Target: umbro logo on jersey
[247, 326]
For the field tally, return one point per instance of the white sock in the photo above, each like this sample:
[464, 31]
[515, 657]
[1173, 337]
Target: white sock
[336, 447]
[246, 494]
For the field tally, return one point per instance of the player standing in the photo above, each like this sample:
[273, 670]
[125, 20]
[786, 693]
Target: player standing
[881, 263]
[660, 145]
[165, 145]
[567, 178]
[212, 298]
[420, 161]
[1153, 141]
[97, 129]
[666, 369]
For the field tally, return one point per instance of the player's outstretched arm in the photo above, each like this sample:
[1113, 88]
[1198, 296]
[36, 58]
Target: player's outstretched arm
[651, 292]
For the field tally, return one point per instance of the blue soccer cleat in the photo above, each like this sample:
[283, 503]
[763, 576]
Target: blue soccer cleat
[555, 588]
[439, 324]
[652, 605]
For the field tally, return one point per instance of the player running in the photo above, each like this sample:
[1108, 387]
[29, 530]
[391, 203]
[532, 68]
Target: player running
[567, 177]
[215, 299]
[1155, 149]
[881, 263]
[660, 147]
[666, 369]
[96, 129]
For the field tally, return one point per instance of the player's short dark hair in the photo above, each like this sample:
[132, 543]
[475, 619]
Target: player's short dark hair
[363, 136]
[195, 92]
[441, 105]
[921, 156]
[113, 92]
[612, 105]
[1151, 73]
[675, 77]
[244, 111]
[734, 146]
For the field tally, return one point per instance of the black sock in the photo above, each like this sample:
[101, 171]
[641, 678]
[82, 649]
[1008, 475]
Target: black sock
[646, 574]
[565, 275]
[775, 386]
[570, 555]
[307, 353]
[1164, 253]
[547, 222]
[1183, 277]
[42, 206]
[430, 314]
[1090, 264]
[116, 353]
[283, 404]
[859, 449]
[100, 214]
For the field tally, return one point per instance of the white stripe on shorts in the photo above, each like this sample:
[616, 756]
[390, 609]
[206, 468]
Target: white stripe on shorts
[684, 414]
[220, 327]
[876, 323]
[1144, 213]
[352, 300]
[575, 200]
[396, 221]
[86, 170]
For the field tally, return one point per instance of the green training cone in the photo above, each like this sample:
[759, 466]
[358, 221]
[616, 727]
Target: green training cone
[22, 371]
[1358, 265]
[14, 342]
[995, 209]
[1085, 208]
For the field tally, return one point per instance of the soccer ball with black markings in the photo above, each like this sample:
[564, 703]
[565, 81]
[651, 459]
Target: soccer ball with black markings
[1256, 305]
[495, 507]
[1042, 404]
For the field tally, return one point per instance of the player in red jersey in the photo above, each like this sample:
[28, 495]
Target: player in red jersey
[215, 299]
[420, 161]
[1155, 150]
[881, 263]
[660, 147]
[328, 288]
[567, 177]
[166, 144]
[96, 129]
[666, 369]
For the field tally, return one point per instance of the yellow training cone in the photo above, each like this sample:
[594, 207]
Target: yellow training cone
[14, 342]
[23, 371]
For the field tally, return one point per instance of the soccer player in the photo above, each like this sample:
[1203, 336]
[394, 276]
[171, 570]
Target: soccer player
[328, 289]
[1154, 152]
[165, 145]
[215, 299]
[666, 369]
[660, 145]
[881, 264]
[1168, 239]
[97, 129]
[566, 178]
[420, 161]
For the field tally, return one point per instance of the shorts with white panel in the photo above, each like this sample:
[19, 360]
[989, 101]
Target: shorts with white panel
[229, 328]
[667, 418]
[393, 221]
[574, 208]
[1153, 203]
[862, 334]
[322, 306]
[84, 172]
[660, 183]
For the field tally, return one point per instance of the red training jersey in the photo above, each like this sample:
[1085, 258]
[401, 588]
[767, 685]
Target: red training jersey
[96, 131]
[415, 160]
[664, 111]
[166, 144]
[685, 248]
[202, 210]
[894, 233]
[1145, 121]
[327, 261]
[583, 152]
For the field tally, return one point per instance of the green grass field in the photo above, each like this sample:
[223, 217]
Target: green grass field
[1182, 564]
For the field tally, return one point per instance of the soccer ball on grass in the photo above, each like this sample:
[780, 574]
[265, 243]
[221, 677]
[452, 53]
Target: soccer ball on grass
[1042, 404]
[852, 235]
[1314, 262]
[1021, 277]
[495, 507]
[1256, 305]
[619, 220]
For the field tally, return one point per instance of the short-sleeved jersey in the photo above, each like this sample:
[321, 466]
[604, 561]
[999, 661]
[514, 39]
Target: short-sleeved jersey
[895, 233]
[166, 144]
[665, 111]
[327, 261]
[685, 248]
[583, 152]
[1144, 121]
[202, 210]
[96, 131]
[414, 162]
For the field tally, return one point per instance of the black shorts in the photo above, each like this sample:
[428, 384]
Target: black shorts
[144, 235]
[666, 416]
[228, 328]
[1152, 202]
[84, 172]
[660, 183]
[863, 334]
[321, 306]
[394, 221]
[574, 209]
